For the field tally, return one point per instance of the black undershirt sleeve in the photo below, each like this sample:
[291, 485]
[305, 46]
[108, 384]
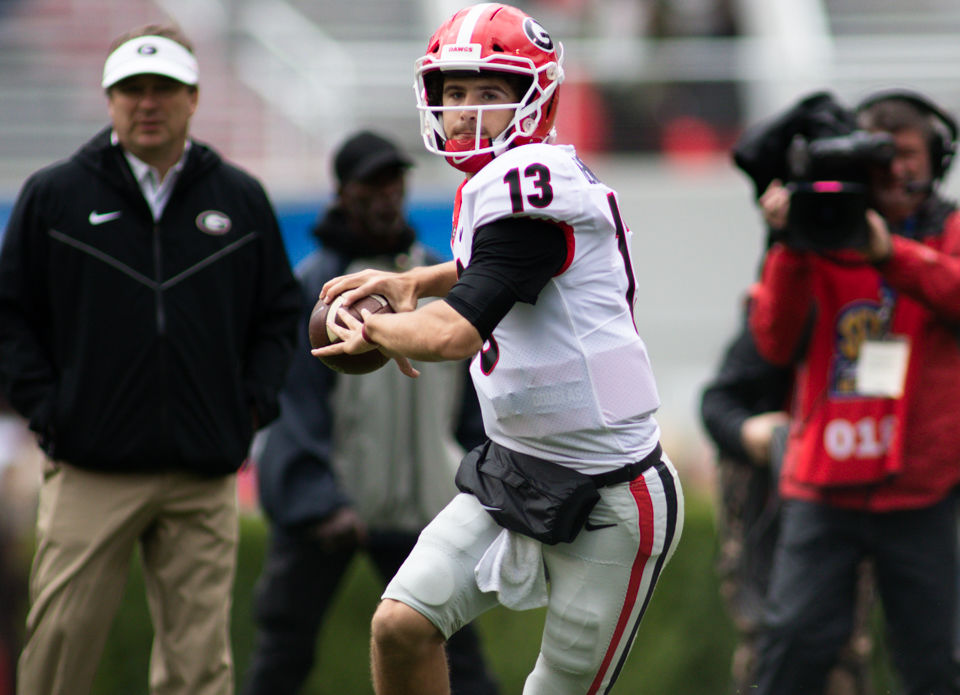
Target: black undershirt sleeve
[511, 261]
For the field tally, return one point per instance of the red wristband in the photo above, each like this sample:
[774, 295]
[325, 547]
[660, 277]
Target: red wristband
[364, 335]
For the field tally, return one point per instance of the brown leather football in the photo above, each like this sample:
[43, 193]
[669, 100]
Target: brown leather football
[321, 335]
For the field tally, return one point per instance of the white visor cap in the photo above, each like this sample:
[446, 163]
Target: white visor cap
[150, 55]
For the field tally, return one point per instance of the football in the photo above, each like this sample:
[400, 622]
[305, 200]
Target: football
[321, 335]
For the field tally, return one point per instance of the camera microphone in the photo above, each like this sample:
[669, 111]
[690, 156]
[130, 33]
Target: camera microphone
[919, 187]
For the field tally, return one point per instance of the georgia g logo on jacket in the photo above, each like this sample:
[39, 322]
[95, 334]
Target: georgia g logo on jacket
[213, 222]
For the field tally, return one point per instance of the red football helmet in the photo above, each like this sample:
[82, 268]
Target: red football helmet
[498, 38]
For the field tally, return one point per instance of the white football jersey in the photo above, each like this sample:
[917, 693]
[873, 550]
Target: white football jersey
[567, 379]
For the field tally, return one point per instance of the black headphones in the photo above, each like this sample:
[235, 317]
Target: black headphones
[943, 145]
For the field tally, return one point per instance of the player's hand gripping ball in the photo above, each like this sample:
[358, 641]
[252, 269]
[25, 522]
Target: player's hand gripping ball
[322, 335]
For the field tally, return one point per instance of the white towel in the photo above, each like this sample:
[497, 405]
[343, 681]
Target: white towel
[513, 567]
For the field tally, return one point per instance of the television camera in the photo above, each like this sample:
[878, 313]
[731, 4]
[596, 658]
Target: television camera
[829, 191]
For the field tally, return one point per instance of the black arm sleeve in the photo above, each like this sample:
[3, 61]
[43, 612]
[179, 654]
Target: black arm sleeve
[745, 385]
[511, 261]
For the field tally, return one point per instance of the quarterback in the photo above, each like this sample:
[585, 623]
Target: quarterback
[540, 294]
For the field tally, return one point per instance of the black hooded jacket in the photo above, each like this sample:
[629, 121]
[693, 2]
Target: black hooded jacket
[136, 345]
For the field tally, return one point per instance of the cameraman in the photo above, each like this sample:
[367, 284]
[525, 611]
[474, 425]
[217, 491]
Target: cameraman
[874, 448]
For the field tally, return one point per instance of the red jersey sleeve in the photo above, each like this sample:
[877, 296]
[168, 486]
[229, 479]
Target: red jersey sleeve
[929, 272]
[780, 304]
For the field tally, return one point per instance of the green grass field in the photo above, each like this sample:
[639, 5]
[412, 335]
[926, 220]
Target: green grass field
[683, 646]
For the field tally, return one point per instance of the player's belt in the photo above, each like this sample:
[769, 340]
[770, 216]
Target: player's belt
[630, 471]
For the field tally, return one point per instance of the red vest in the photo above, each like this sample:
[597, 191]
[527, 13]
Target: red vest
[847, 439]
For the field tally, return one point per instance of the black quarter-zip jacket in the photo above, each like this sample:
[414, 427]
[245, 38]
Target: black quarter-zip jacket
[135, 345]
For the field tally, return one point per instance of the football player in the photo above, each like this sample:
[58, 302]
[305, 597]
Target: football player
[540, 293]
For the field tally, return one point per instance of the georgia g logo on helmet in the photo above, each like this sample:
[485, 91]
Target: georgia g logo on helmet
[537, 34]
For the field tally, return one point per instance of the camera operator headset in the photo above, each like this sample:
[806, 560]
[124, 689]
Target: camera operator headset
[943, 138]
[874, 113]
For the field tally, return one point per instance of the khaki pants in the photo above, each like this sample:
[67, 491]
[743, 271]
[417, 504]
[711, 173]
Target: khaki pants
[88, 524]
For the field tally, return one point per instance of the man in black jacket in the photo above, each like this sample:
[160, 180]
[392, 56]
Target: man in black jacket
[355, 463]
[147, 316]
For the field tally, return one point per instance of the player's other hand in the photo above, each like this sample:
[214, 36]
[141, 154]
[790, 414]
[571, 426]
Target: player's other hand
[352, 342]
[399, 288]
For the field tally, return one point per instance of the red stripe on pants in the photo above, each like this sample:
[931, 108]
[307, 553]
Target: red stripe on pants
[645, 510]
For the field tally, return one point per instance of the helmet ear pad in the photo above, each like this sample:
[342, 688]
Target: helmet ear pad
[943, 143]
[550, 111]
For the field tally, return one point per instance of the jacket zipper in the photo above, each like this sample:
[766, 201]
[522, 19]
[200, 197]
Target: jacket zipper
[158, 275]
[166, 426]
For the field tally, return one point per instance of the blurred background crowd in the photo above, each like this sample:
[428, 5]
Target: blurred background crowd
[656, 93]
